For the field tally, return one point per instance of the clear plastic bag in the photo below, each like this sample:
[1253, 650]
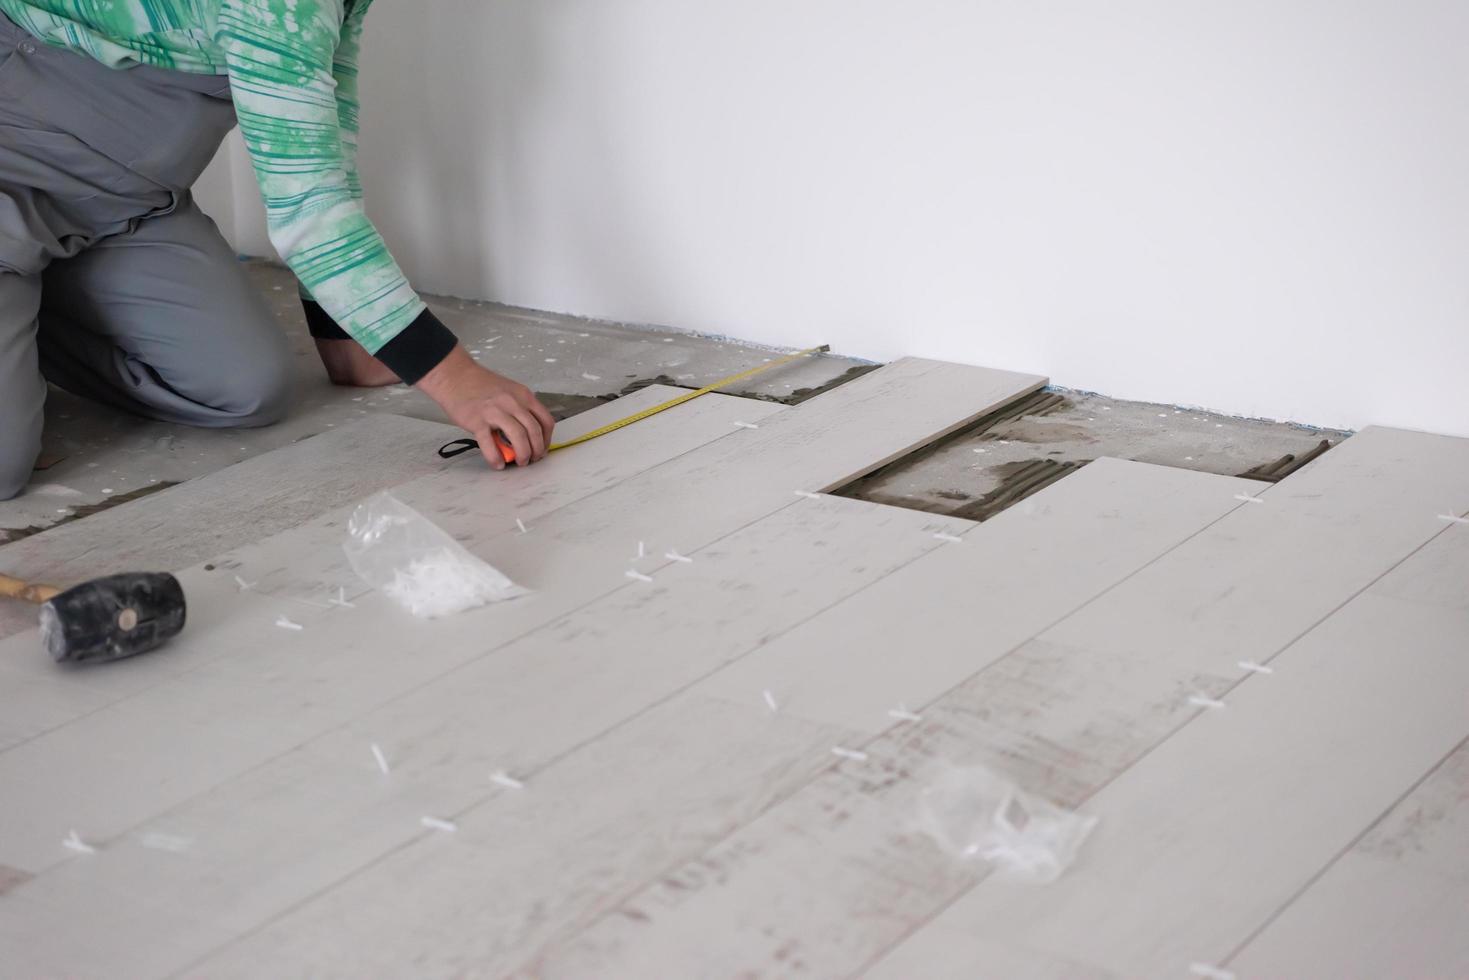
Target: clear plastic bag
[977, 814]
[407, 557]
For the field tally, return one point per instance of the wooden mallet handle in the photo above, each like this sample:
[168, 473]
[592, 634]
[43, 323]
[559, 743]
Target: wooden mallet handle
[14, 588]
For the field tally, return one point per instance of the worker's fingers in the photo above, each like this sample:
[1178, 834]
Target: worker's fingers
[514, 430]
[543, 415]
[485, 436]
[535, 431]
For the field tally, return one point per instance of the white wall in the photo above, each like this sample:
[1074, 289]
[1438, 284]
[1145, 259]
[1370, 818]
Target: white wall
[1257, 206]
[228, 193]
[214, 191]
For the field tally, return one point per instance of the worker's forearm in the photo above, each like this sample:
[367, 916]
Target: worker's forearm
[449, 376]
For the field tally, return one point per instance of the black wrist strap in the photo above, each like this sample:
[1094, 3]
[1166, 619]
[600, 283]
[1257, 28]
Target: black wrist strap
[458, 448]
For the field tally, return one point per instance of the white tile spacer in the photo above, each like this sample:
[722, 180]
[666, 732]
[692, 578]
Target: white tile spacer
[808, 495]
[341, 599]
[638, 576]
[770, 701]
[1453, 519]
[75, 843]
[675, 556]
[167, 842]
[642, 551]
[1199, 701]
[1255, 668]
[591, 377]
[287, 624]
[746, 425]
[1249, 499]
[903, 714]
[382, 760]
[521, 524]
[504, 779]
[434, 823]
[1210, 972]
[945, 536]
[245, 586]
[852, 754]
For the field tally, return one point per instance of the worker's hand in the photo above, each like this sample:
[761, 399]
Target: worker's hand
[348, 363]
[480, 401]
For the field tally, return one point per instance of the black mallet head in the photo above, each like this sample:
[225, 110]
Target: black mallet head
[112, 618]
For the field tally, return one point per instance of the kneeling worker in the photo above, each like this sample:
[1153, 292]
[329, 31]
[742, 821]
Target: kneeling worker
[115, 286]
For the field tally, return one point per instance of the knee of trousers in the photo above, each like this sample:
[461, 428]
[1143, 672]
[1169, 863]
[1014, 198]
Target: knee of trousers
[18, 452]
[257, 389]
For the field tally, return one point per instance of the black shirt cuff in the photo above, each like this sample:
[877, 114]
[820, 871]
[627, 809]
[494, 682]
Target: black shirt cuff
[417, 350]
[322, 327]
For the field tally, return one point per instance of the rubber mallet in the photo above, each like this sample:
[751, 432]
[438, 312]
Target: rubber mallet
[107, 618]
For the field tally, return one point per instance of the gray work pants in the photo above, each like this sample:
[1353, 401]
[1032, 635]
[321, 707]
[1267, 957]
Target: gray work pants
[113, 284]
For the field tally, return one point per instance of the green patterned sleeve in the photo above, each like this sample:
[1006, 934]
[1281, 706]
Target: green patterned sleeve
[293, 71]
[344, 72]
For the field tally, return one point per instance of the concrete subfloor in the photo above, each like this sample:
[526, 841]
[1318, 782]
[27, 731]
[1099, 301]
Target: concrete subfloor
[956, 476]
[97, 457]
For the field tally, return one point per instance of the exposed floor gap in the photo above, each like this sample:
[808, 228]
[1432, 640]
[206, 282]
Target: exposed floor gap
[9, 534]
[1005, 457]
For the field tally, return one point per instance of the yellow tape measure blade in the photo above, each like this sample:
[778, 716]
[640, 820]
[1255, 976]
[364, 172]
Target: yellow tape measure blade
[686, 397]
